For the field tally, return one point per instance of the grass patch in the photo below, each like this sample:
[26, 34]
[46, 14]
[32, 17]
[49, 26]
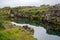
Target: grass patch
[15, 34]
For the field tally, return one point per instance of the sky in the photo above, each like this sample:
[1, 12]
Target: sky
[14, 3]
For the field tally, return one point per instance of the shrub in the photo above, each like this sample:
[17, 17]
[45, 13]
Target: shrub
[1, 25]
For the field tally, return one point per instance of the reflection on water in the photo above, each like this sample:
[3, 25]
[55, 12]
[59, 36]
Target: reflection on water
[27, 21]
[53, 32]
[49, 32]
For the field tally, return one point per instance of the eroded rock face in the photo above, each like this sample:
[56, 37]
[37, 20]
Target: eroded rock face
[53, 15]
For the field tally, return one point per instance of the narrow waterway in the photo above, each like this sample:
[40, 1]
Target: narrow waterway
[40, 32]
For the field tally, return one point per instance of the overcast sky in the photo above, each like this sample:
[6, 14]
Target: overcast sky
[14, 3]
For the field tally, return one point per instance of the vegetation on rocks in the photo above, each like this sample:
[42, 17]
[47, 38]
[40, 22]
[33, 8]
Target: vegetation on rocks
[9, 31]
[34, 14]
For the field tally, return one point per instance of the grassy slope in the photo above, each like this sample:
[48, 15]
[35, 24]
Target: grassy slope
[15, 34]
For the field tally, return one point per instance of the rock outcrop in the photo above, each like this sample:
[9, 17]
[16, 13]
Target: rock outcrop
[53, 15]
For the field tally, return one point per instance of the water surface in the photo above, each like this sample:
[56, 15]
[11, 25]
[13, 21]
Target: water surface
[40, 32]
